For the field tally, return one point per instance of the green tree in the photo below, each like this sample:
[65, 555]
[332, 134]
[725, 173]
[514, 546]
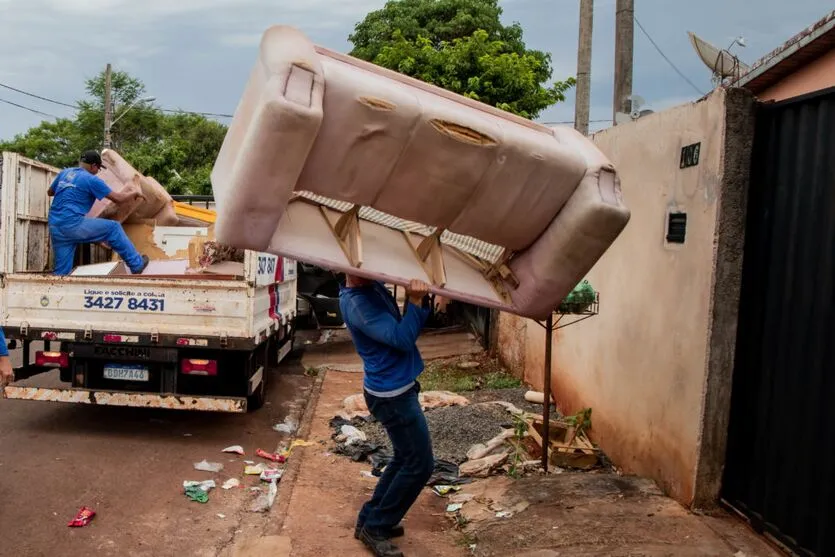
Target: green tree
[177, 149]
[463, 46]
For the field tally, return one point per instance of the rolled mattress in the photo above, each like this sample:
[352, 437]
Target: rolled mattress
[315, 125]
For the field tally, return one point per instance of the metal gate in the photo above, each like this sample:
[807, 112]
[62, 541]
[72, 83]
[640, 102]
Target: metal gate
[780, 467]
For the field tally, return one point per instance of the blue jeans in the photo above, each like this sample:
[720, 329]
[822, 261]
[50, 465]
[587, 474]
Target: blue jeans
[66, 237]
[410, 468]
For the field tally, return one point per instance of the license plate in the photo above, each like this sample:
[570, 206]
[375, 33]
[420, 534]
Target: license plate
[126, 373]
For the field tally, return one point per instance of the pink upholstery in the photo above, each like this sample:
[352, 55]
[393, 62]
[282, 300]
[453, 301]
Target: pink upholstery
[117, 175]
[317, 121]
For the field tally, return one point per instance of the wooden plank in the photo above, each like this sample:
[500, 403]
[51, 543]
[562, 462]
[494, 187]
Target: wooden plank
[349, 239]
[433, 261]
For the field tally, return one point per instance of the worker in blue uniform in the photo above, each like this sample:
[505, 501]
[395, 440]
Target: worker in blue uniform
[75, 190]
[6, 372]
[386, 340]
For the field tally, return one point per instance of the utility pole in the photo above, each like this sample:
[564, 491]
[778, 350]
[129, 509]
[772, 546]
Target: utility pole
[581, 105]
[108, 114]
[624, 42]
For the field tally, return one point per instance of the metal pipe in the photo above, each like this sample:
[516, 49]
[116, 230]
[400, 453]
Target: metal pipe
[546, 390]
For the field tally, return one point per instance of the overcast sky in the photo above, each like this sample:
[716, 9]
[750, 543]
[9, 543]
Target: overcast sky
[196, 54]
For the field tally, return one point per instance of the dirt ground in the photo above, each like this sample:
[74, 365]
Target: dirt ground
[570, 514]
[129, 465]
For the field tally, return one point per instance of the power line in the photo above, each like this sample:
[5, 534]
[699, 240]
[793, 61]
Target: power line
[670, 62]
[36, 96]
[75, 107]
[29, 109]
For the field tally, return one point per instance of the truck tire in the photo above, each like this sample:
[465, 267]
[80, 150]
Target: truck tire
[259, 358]
[256, 400]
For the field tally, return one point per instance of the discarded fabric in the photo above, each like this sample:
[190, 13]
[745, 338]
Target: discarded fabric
[236, 449]
[205, 466]
[196, 494]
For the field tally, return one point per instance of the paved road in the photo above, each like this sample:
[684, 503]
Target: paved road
[129, 465]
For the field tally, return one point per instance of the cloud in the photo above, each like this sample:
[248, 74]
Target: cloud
[196, 54]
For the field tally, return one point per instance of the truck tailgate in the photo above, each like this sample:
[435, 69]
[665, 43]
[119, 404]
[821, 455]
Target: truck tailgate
[110, 304]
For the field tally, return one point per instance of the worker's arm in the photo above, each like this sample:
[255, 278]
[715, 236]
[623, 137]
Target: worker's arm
[101, 190]
[383, 327]
[51, 191]
[6, 372]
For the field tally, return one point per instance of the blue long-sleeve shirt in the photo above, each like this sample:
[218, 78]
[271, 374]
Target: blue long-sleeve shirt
[4, 350]
[385, 340]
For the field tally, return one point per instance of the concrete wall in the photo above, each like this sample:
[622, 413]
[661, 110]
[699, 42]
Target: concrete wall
[818, 75]
[645, 363]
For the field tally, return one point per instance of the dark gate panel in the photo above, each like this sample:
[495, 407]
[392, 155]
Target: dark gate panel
[780, 468]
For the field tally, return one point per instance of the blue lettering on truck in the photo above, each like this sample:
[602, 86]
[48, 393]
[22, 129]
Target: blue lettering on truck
[131, 301]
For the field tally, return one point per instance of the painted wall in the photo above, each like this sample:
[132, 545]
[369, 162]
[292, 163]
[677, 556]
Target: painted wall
[818, 75]
[642, 363]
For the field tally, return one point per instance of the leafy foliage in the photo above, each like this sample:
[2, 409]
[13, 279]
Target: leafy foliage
[176, 149]
[462, 46]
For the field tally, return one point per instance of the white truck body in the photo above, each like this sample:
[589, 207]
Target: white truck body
[142, 314]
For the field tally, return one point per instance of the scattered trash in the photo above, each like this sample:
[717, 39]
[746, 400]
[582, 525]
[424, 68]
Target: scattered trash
[367, 474]
[275, 457]
[351, 435]
[237, 449]
[504, 514]
[289, 426]
[256, 470]
[354, 406]
[468, 365]
[206, 486]
[271, 475]
[441, 490]
[461, 498]
[221, 515]
[205, 466]
[265, 501]
[249, 462]
[82, 518]
[454, 507]
[482, 467]
[446, 473]
[231, 483]
[198, 491]
[300, 443]
[481, 450]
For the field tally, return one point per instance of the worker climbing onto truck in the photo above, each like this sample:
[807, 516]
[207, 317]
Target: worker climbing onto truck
[386, 342]
[75, 191]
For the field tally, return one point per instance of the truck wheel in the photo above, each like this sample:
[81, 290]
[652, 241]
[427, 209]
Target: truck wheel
[256, 400]
[258, 359]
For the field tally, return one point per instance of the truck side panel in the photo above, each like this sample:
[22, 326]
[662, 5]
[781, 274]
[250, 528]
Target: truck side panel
[23, 188]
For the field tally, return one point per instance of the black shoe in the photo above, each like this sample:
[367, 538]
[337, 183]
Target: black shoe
[381, 547]
[396, 531]
[145, 262]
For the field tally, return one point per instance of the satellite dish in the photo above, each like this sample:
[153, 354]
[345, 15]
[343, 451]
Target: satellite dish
[635, 112]
[721, 63]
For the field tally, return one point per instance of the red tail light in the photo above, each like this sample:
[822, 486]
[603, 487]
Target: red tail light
[52, 359]
[199, 367]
